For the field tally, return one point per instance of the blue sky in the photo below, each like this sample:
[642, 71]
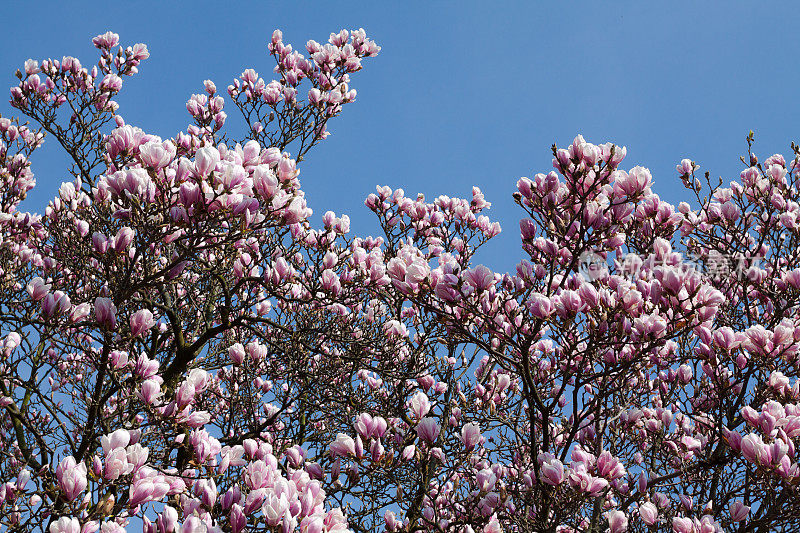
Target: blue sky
[463, 92]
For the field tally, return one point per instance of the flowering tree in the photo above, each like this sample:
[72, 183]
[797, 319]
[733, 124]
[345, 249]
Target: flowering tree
[180, 348]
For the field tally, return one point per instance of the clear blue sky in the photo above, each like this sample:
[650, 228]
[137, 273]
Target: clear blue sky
[463, 92]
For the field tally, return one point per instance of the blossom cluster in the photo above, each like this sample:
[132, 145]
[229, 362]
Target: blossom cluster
[181, 347]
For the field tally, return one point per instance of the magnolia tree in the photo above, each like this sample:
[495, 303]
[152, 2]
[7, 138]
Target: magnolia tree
[181, 350]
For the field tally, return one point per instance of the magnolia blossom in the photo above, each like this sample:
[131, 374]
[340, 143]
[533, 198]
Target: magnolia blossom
[617, 521]
[480, 277]
[116, 464]
[470, 435]
[106, 312]
[274, 508]
[71, 478]
[118, 439]
[738, 511]
[682, 525]
[141, 322]
[37, 288]
[343, 446]
[148, 489]
[206, 159]
[428, 429]
[65, 524]
[150, 391]
[552, 471]
[648, 513]
[80, 311]
[420, 405]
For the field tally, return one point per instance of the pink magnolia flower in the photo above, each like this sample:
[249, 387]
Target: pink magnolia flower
[156, 154]
[493, 526]
[343, 446]
[265, 182]
[420, 405]
[274, 508]
[334, 521]
[71, 478]
[580, 478]
[330, 282]
[194, 524]
[100, 242]
[395, 328]
[80, 311]
[111, 83]
[364, 425]
[486, 479]
[65, 524]
[144, 367]
[754, 449]
[109, 527]
[426, 382]
[286, 168]
[609, 466]
[377, 450]
[568, 303]
[37, 288]
[137, 456]
[683, 525]
[479, 277]
[106, 41]
[123, 239]
[685, 167]
[185, 394]
[379, 427]
[540, 306]
[470, 435]
[391, 521]
[296, 211]
[738, 511]
[106, 312]
[417, 272]
[148, 489]
[258, 474]
[617, 521]
[648, 513]
[236, 353]
[237, 517]
[409, 452]
[141, 322]
[552, 471]
[55, 303]
[206, 159]
[194, 419]
[116, 464]
[118, 439]
[31, 67]
[633, 182]
[11, 341]
[428, 430]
